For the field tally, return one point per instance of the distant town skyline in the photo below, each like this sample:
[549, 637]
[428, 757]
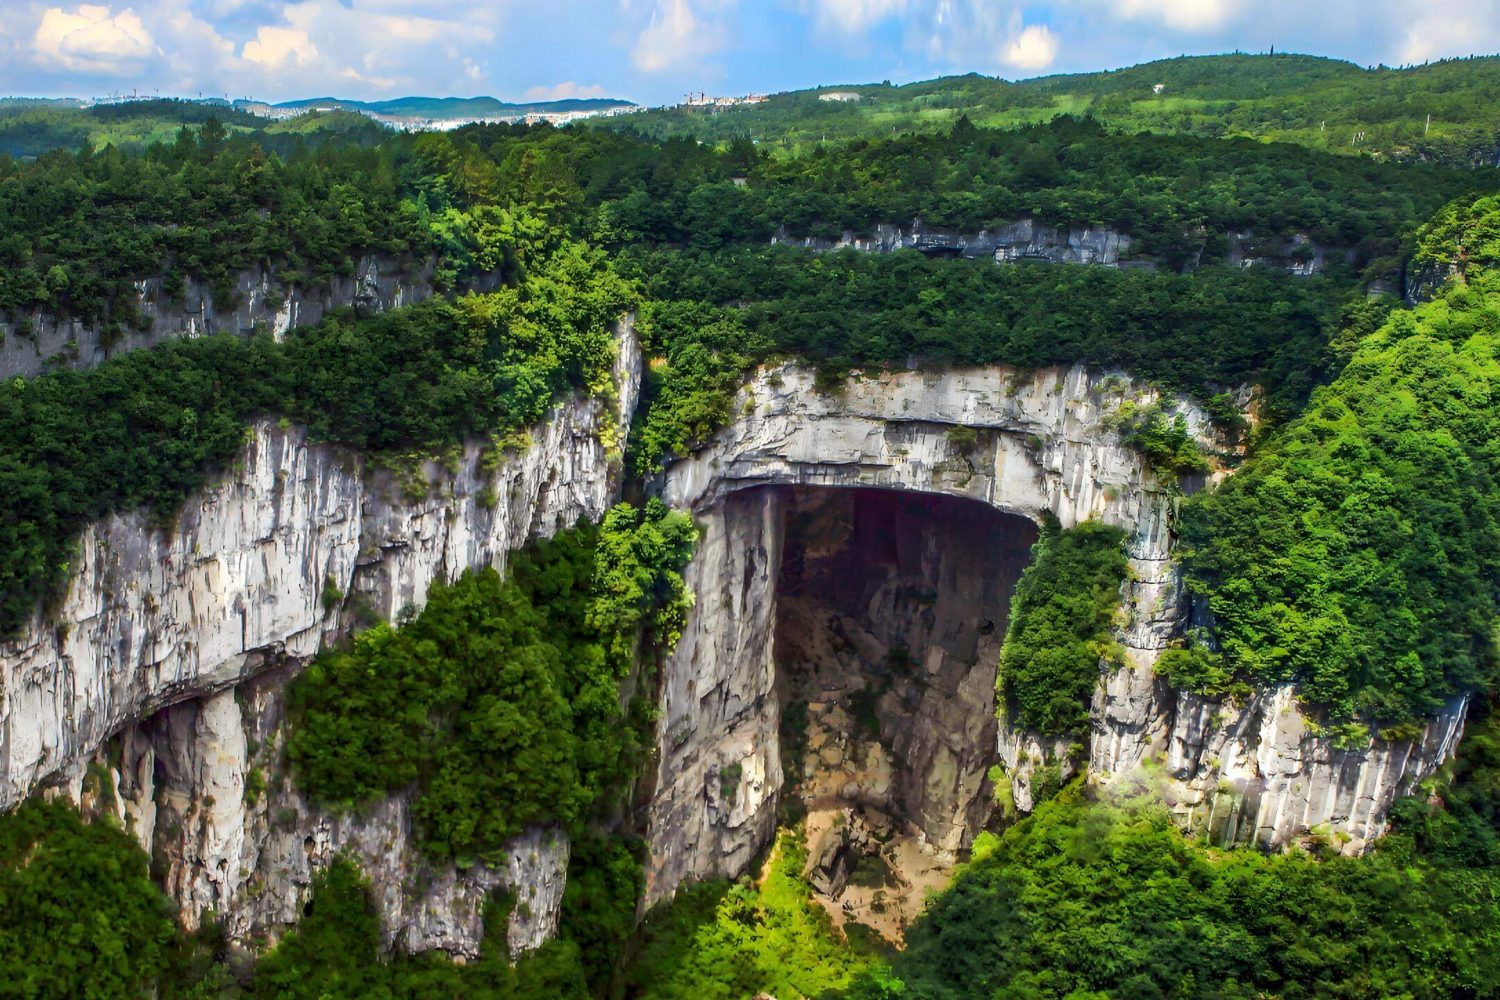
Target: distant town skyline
[656, 51]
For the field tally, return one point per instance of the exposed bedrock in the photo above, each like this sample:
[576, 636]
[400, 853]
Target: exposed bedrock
[379, 281]
[1030, 239]
[160, 629]
[891, 609]
[1022, 443]
[1025, 444]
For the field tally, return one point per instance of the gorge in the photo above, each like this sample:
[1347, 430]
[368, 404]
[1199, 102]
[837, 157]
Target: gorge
[858, 552]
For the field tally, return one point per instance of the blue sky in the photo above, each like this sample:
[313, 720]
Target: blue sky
[654, 51]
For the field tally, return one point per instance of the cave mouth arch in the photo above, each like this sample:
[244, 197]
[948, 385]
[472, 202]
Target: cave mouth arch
[891, 608]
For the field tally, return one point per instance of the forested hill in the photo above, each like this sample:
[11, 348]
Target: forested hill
[1323, 103]
[31, 128]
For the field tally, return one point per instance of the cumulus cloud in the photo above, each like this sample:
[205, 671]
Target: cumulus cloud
[275, 48]
[1033, 48]
[1448, 28]
[676, 36]
[565, 91]
[92, 39]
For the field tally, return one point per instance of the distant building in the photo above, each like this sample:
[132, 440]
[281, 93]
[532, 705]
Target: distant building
[842, 96]
[1158, 88]
[702, 100]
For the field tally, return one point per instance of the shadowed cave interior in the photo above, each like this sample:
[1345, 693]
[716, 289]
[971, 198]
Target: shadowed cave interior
[891, 611]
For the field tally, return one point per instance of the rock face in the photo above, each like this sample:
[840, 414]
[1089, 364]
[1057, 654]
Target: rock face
[159, 625]
[1025, 444]
[1022, 443]
[39, 341]
[891, 611]
[203, 785]
[1024, 239]
[1256, 772]
[1029, 239]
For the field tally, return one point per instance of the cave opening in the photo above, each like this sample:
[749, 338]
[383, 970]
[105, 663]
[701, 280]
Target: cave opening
[891, 608]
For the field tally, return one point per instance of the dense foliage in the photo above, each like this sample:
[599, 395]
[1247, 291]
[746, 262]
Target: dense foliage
[1325, 104]
[79, 915]
[1465, 234]
[717, 941]
[1059, 627]
[1095, 899]
[77, 230]
[32, 128]
[500, 702]
[710, 315]
[334, 951]
[1179, 199]
[1359, 552]
[145, 428]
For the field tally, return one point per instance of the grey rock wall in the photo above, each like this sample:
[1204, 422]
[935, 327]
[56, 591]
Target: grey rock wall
[160, 624]
[379, 282]
[1029, 239]
[1040, 444]
[1033, 443]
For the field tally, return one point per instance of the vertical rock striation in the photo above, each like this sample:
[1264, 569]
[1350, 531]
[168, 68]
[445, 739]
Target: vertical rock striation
[162, 627]
[1029, 444]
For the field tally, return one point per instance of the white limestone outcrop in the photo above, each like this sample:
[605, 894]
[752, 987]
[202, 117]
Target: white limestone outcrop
[1031, 240]
[33, 343]
[1032, 444]
[278, 557]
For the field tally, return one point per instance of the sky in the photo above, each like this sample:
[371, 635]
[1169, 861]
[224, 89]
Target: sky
[655, 51]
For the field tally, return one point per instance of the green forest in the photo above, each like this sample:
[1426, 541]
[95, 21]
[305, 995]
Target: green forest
[1325, 104]
[1352, 548]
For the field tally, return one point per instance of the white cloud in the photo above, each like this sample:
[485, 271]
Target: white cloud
[565, 91]
[1035, 47]
[275, 48]
[1180, 15]
[92, 39]
[676, 36]
[853, 16]
[1447, 28]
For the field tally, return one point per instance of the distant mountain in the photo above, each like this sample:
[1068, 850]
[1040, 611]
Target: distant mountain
[458, 107]
[1444, 112]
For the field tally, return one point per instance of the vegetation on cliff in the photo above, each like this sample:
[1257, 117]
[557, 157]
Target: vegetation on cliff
[500, 702]
[1359, 552]
[1058, 635]
[724, 941]
[79, 914]
[1108, 898]
[144, 429]
[709, 316]
[78, 230]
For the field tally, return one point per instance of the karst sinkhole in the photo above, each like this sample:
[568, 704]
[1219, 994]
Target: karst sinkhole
[891, 611]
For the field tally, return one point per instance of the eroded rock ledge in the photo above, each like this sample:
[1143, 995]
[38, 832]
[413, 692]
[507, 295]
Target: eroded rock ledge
[1030, 239]
[379, 281]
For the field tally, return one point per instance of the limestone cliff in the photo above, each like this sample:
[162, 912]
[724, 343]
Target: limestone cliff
[1027, 239]
[166, 659]
[163, 628]
[33, 343]
[1023, 444]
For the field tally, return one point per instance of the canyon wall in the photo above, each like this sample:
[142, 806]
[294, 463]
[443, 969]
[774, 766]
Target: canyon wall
[1030, 444]
[1030, 239]
[39, 341]
[154, 658]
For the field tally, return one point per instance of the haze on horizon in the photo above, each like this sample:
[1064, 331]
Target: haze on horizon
[654, 51]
